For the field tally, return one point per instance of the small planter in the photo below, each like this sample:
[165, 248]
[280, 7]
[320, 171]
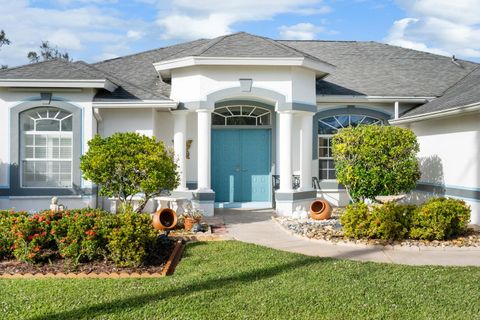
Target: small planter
[189, 222]
[164, 219]
[320, 210]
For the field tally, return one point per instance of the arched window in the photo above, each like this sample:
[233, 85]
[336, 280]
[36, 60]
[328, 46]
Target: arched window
[46, 148]
[329, 126]
[241, 115]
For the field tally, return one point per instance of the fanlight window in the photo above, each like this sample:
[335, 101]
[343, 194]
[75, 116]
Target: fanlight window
[46, 151]
[329, 126]
[241, 115]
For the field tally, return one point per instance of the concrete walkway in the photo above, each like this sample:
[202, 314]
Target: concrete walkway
[256, 226]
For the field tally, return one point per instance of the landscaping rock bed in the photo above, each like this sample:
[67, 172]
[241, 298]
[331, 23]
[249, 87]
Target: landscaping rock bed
[331, 230]
[154, 265]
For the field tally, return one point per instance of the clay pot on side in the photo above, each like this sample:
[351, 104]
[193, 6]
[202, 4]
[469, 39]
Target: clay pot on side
[189, 222]
[164, 219]
[320, 210]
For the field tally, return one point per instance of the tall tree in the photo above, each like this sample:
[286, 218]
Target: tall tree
[47, 52]
[3, 41]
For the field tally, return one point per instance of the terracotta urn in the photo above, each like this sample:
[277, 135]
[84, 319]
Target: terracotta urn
[320, 210]
[164, 219]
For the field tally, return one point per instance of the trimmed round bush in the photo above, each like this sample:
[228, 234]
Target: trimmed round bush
[440, 219]
[389, 221]
[131, 240]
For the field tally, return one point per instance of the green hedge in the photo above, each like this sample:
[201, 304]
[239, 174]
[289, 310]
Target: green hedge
[436, 219]
[83, 235]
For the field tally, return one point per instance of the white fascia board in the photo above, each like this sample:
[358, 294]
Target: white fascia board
[352, 98]
[57, 83]
[157, 104]
[164, 67]
[438, 114]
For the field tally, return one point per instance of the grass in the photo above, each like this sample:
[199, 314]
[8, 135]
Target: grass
[232, 280]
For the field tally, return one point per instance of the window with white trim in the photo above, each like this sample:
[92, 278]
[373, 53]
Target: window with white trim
[327, 128]
[46, 148]
[241, 115]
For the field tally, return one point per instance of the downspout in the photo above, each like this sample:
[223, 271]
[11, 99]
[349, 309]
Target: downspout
[98, 118]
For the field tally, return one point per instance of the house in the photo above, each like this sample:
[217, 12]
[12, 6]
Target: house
[240, 111]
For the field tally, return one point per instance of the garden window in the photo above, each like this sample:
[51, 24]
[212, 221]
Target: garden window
[46, 148]
[327, 128]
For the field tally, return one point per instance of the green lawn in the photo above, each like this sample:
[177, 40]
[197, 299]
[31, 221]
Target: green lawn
[232, 280]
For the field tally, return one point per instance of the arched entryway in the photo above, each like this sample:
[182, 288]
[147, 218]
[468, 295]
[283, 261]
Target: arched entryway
[242, 153]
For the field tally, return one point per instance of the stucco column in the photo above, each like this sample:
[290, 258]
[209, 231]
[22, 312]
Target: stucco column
[306, 151]
[180, 147]
[285, 152]
[204, 139]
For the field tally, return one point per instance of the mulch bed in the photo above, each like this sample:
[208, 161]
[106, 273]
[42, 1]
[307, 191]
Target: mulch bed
[163, 263]
[331, 230]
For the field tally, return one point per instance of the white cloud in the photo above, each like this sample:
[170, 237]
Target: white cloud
[439, 26]
[300, 31]
[190, 19]
[83, 31]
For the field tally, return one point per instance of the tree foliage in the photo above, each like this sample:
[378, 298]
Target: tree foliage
[47, 52]
[3, 41]
[127, 164]
[376, 160]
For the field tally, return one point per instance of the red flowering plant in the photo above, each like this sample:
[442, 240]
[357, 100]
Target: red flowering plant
[7, 219]
[33, 241]
[81, 234]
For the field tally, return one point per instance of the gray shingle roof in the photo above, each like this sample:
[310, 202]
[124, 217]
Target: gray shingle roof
[138, 70]
[362, 68]
[242, 44]
[464, 92]
[376, 69]
[53, 69]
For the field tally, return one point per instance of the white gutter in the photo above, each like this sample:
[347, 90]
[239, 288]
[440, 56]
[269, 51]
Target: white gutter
[57, 83]
[353, 98]
[157, 104]
[439, 114]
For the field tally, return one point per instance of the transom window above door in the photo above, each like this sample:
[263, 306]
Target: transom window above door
[241, 115]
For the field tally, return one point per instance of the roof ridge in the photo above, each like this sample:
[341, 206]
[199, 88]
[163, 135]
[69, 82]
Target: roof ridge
[216, 40]
[302, 52]
[462, 78]
[189, 48]
[34, 63]
[150, 50]
[118, 79]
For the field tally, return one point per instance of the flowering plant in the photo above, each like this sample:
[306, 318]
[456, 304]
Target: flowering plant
[189, 211]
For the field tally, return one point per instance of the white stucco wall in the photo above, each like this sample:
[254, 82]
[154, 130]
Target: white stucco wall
[449, 155]
[195, 83]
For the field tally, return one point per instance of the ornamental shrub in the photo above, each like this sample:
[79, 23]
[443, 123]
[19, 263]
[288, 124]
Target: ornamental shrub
[440, 219]
[390, 221]
[33, 241]
[127, 164]
[131, 240]
[7, 219]
[81, 235]
[376, 160]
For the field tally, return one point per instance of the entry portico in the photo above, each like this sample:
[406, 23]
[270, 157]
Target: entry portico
[283, 87]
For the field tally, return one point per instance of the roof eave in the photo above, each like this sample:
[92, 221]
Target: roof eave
[164, 68]
[156, 104]
[366, 98]
[438, 114]
[59, 83]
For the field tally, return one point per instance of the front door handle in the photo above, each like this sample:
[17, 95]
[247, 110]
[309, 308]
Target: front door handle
[237, 169]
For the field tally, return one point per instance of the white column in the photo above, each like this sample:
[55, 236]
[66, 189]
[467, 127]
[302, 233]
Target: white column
[306, 132]
[285, 146]
[180, 146]
[204, 133]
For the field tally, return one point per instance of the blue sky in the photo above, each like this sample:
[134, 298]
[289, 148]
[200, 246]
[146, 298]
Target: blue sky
[93, 30]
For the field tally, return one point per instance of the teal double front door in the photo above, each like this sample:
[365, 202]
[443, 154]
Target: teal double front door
[241, 161]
